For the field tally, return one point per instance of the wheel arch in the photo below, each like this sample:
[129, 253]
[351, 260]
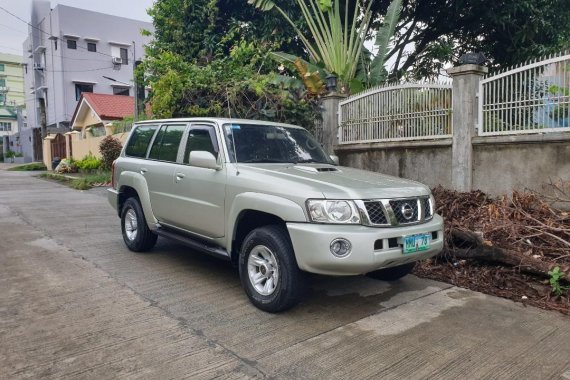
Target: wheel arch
[134, 185]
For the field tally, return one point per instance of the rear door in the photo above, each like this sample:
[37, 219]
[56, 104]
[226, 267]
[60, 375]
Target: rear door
[160, 167]
[200, 193]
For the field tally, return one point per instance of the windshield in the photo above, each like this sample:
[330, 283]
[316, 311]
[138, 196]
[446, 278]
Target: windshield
[272, 144]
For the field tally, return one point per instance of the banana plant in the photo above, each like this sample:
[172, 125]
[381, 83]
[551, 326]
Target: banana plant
[385, 33]
[334, 43]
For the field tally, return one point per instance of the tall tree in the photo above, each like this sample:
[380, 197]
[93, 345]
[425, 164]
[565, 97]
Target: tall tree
[432, 33]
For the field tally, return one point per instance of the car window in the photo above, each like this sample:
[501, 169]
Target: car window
[166, 143]
[201, 138]
[140, 138]
[259, 143]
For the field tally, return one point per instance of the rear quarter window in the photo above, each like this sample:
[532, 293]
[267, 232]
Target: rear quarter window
[139, 141]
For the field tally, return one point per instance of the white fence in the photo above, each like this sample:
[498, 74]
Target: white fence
[534, 98]
[411, 111]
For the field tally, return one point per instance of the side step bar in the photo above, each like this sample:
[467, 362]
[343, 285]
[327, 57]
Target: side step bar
[194, 244]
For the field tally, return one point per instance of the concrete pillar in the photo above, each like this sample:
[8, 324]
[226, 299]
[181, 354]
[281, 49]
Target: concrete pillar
[330, 121]
[464, 118]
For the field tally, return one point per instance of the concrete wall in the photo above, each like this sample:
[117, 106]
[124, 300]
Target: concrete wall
[518, 162]
[427, 162]
[82, 147]
[500, 164]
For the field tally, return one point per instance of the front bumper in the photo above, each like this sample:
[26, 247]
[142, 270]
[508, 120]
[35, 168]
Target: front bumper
[311, 243]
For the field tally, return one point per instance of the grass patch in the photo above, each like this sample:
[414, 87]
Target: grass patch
[35, 166]
[85, 182]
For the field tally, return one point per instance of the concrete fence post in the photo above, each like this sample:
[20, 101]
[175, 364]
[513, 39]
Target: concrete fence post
[464, 118]
[330, 121]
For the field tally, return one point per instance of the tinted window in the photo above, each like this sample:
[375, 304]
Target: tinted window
[80, 88]
[121, 91]
[72, 44]
[125, 56]
[200, 139]
[91, 46]
[140, 138]
[165, 147]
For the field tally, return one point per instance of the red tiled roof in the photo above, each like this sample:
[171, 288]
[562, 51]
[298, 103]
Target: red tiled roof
[110, 107]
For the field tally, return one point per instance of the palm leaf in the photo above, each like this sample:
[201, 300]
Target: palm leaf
[264, 5]
[385, 33]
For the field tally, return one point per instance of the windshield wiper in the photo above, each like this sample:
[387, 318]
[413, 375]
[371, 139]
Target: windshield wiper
[265, 161]
[309, 161]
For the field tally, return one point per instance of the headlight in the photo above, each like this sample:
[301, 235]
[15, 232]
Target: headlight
[333, 211]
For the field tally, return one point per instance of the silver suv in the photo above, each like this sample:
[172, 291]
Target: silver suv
[266, 197]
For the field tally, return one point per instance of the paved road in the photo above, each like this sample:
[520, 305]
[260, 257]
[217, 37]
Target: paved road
[75, 303]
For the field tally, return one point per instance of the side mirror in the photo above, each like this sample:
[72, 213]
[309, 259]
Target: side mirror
[335, 159]
[203, 159]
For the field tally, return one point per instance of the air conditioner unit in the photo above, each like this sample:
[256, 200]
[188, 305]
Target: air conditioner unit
[117, 61]
[38, 66]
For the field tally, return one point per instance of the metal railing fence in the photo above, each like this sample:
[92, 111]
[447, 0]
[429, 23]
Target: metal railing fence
[530, 98]
[409, 111]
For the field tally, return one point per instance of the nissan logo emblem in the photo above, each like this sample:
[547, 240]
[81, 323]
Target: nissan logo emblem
[407, 211]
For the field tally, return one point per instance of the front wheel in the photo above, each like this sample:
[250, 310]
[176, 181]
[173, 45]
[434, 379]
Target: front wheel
[393, 273]
[136, 234]
[268, 270]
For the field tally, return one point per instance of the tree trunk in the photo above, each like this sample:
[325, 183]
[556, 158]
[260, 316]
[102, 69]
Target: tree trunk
[470, 246]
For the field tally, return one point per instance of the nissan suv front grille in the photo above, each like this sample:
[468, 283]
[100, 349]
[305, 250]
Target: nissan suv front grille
[396, 212]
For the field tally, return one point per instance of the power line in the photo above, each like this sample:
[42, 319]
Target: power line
[48, 34]
[14, 29]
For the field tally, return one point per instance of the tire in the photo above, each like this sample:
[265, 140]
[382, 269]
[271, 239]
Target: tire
[267, 255]
[392, 274]
[136, 234]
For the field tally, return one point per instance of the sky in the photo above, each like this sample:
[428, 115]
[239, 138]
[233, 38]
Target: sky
[13, 32]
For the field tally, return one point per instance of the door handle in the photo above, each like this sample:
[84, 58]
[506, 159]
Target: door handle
[144, 170]
[179, 176]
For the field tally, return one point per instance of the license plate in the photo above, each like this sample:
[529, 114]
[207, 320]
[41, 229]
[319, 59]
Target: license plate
[416, 243]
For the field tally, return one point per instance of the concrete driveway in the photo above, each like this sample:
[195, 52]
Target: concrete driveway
[75, 303]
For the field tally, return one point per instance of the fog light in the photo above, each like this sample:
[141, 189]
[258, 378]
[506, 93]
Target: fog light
[340, 247]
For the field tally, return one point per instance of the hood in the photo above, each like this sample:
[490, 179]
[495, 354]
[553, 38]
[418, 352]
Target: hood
[337, 182]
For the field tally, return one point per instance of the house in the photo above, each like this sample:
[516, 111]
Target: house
[90, 123]
[71, 51]
[11, 101]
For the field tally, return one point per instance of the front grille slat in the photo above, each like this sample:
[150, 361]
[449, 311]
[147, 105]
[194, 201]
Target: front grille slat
[376, 212]
[427, 209]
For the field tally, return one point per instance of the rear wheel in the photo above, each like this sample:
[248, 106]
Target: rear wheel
[268, 270]
[136, 234]
[393, 273]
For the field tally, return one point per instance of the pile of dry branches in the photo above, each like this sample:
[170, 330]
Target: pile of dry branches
[526, 230]
[505, 246]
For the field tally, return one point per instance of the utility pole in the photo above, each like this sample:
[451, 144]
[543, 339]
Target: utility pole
[136, 87]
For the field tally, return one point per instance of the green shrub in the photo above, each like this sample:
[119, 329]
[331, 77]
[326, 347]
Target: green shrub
[89, 162]
[110, 149]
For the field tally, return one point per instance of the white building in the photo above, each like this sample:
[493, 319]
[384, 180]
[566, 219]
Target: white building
[70, 51]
